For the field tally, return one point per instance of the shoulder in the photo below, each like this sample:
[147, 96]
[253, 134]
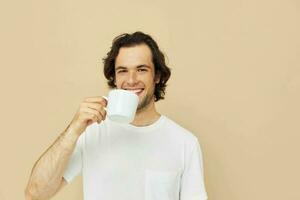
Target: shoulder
[181, 132]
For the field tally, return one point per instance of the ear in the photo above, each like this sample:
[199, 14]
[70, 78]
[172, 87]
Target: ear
[115, 82]
[157, 78]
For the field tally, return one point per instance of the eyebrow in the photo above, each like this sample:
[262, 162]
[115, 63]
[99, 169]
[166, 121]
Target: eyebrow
[120, 67]
[139, 66]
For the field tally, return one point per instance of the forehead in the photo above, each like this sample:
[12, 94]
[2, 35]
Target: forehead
[134, 56]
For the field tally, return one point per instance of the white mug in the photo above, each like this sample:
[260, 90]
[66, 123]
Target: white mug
[121, 105]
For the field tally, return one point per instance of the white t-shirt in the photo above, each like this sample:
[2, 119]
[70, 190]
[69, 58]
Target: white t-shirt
[162, 161]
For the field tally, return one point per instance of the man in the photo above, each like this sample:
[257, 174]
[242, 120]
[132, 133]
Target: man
[151, 158]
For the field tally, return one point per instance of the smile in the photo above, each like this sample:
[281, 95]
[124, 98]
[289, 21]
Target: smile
[136, 91]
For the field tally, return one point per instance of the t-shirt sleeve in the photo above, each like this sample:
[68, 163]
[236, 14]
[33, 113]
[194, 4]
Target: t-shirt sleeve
[192, 181]
[74, 166]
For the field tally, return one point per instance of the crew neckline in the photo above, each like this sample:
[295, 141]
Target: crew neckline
[146, 128]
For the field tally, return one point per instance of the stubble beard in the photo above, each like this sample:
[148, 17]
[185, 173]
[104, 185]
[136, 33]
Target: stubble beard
[145, 102]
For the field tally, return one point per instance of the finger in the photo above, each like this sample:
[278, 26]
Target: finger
[96, 100]
[92, 118]
[95, 106]
[98, 108]
[94, 112]
[103, 113]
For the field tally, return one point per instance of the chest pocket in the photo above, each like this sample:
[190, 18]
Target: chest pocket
[162, 185]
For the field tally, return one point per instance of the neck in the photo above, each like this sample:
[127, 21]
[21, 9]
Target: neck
[146, 116]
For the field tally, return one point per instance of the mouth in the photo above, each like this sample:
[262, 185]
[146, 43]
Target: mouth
[137, 91]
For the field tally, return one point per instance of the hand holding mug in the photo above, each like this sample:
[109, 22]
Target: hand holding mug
[91, 109]
[121, 107]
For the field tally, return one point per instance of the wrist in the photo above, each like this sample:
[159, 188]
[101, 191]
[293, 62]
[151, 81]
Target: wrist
[69, 137]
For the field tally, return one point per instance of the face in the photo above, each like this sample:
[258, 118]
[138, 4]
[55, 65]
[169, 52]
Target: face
[135, 71]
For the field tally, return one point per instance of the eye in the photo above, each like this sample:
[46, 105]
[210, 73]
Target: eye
[121, 71]
[142, 70]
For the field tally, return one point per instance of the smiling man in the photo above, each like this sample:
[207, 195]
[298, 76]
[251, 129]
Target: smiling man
[151, 158]
[135, 71]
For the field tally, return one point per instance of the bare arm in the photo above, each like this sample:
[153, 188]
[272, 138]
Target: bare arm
[46, 177]
[47, 174]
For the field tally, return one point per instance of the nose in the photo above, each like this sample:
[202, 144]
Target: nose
[132, 78]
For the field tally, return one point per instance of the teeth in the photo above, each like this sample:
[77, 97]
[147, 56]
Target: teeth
[135, 91]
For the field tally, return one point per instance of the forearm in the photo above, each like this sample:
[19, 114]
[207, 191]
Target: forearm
[47, 172]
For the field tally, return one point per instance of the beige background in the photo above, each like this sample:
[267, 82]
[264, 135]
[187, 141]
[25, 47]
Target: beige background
[235, 83]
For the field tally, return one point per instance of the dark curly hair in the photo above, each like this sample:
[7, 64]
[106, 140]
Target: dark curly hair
[129, 40]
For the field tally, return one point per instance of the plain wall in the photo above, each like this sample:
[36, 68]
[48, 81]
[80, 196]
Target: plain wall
[235, 84]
